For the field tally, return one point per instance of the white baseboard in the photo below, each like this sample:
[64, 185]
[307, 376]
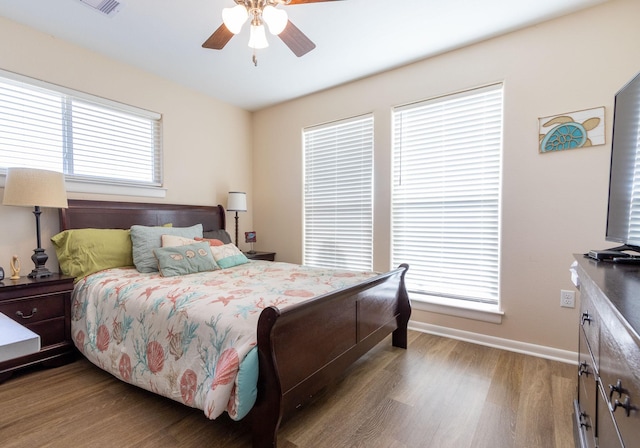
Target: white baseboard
[540, 351]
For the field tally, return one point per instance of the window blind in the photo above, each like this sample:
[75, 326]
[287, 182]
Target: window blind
[634, 218]
[338, 194]
[87, 138]
[446, 194]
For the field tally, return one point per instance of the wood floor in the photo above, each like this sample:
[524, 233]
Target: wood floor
[440, 393]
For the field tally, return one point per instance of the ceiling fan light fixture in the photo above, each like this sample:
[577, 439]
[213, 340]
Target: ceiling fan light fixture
[258, 37]
[262, 13]
[234, 18]
[276, 19]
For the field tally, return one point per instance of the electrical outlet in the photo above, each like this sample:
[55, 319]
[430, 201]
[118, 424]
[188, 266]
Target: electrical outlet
[567, 298]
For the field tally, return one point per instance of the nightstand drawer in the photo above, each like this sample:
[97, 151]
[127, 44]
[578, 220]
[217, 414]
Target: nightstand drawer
[31, 310]
[50, 331]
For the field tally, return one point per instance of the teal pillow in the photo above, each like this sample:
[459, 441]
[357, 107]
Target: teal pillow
[228, 256]
[146, 239]
[187, 259]
[247, 380]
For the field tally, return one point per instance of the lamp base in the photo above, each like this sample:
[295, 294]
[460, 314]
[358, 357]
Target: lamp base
[39, 258]
[40, 273]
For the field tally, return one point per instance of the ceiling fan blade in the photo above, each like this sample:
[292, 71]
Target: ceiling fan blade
[301, 2]
[219, 38]
[296, 40]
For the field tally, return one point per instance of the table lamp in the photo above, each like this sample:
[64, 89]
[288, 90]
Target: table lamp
[237, 202]
[35, 188]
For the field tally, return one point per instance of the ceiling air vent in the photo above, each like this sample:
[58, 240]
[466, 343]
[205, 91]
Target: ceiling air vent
[106, 7]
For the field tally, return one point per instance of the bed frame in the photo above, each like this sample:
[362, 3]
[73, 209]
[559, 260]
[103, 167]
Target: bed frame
[302, 348]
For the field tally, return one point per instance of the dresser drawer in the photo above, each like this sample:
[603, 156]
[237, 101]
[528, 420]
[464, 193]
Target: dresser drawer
[584, 428]
[590, 323]
[608, 435]
[620, 379]
[34, 309]
[587, 395]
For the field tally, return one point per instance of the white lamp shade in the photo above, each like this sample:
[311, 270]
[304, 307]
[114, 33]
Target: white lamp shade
[276, 19]
[234, 18]
[237, 201]
[258, 38]
[33, 187]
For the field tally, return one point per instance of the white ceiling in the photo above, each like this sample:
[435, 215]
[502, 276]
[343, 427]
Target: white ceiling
[354, 38]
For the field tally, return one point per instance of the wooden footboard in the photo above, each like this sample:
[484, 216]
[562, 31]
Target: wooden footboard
[304, 348]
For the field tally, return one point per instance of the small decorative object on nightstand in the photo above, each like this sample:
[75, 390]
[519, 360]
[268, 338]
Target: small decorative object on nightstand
[15, 268]
[43, 305]
[250, 237]
[268, 256]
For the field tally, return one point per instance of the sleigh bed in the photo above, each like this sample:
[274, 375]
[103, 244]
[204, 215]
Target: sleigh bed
[299, 348]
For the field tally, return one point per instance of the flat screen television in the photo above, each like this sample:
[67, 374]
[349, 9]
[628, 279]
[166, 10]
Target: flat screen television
[623, 215]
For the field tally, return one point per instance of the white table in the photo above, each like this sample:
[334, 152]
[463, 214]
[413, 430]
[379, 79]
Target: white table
[16, 340]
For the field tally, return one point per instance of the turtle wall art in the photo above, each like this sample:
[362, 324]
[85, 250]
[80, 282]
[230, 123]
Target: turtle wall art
[572, 130]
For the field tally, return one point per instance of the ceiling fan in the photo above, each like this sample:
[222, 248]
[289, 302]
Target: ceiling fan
[261, 12]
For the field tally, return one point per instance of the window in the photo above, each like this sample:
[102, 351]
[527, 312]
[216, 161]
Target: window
[338, 194]
[634, 214]
[89, 139]
[446, 195]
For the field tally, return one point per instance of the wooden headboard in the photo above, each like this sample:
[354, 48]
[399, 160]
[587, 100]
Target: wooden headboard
[122, 215]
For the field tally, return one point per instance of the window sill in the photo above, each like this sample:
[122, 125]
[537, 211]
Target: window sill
[468, 310]
[115, 189]
[75, 186]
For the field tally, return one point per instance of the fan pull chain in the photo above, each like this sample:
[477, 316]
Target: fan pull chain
[255, 58]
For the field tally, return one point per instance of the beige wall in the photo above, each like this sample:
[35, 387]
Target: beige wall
[207, 144]
[554, 205]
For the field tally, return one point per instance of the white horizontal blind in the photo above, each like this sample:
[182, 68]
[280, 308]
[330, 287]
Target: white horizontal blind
[634, 218]
[87, 138]
[338, 194]
[446, 194]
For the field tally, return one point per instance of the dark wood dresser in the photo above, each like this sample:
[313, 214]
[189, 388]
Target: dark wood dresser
[607, 410]
[43, 306]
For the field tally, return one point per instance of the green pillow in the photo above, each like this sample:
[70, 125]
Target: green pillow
[146, 239]
[84, 251]
[187, 259]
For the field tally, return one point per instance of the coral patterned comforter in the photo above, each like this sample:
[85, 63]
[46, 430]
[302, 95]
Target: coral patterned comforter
[186, 337]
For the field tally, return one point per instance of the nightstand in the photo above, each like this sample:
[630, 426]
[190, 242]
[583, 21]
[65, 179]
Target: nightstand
[269, 256]
[44, 307]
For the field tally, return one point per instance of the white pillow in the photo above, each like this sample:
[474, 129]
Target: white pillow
[175, 240]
